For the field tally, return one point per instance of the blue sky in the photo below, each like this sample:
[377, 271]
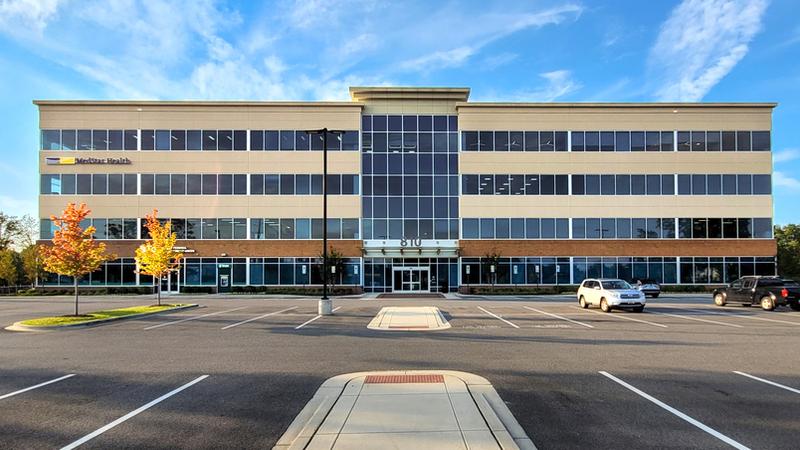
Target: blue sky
[714, 50]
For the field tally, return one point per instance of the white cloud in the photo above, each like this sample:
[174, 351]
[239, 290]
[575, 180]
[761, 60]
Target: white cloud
[700, 43]
[494, 61]
[468, 35]
[786, 155]
[783, 180]
[32, 14]
[559, 84]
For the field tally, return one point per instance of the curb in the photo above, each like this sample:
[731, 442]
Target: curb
[501, 421]
[18, 326]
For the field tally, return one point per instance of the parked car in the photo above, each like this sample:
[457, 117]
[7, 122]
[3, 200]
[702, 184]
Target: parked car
[651, 288]
[769, 292]
[610, 294]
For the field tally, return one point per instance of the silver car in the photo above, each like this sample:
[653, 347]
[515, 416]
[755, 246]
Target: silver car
[609, 294]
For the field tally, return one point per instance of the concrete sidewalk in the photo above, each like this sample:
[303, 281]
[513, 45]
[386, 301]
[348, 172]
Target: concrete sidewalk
[405, 410]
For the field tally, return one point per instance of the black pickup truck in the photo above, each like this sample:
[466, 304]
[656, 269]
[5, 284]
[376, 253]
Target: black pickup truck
[768, 292]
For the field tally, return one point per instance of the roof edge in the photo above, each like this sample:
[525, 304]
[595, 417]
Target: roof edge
[195, 103]
[617, 104]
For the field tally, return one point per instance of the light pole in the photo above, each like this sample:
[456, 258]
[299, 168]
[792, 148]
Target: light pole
[325, 307]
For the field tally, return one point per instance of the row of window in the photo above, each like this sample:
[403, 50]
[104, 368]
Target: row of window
[197, 184]
[727, 184]
[303, 228]
[379, 273]
[683, 270]
[195, 140]
[298, 140]
[122, 228]
[90, 140]
[410, 185]
[409, 142]
[381, 164]
[515, 228]
[617, 228]
[409, 207]
[664, 228]
[514, 184]
[655, 184]
[615, 141]
[409, 123]
[514, 141]
[401, 228]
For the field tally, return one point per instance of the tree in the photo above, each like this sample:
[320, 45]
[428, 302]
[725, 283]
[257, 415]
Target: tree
[74, 252]
[788, 240]
[335, 259]
[157, 256]
[32, 264]
[491, 264]
[9, 267]
[10, 230]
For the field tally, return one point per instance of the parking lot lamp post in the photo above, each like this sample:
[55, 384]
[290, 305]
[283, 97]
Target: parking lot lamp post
[325, 307]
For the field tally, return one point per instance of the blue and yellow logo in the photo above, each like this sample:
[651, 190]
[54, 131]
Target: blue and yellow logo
[60, 161]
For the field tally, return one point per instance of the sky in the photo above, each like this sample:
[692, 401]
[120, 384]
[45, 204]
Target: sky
[542, 50]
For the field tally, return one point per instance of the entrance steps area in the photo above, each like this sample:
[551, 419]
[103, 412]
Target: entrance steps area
[430, 409]
[412, 296]
[409, 318]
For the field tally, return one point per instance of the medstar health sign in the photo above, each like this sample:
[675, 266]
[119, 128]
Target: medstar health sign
[71, 160]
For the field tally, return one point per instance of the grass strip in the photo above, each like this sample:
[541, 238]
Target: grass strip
[96, 315]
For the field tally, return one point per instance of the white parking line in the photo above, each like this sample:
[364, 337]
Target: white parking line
[559, 317]
[796, 391]
[620, 316]
[697, 319]
[683, 416]
[258, 317]
[193, 318]
[743, 316]
[133, 413]
[498, 317]
[36, 386]
[313, 319]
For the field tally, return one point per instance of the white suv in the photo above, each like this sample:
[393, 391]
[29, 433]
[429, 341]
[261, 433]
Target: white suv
[610, 293]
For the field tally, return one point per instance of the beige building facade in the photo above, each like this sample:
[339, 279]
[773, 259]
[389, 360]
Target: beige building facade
[427, 191]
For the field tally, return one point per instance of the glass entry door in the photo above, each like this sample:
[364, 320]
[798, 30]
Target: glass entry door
[411, 279]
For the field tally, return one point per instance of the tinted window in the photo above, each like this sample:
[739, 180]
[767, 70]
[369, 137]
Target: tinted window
[761, 141]
[762, 184]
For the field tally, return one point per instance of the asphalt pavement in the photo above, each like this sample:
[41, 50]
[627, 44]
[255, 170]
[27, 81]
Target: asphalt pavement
[235, 372]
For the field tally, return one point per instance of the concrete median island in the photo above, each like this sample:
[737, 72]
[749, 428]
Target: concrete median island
[93, 318]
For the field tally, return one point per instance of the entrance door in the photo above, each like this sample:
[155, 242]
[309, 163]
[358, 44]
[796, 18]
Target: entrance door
[224, 278]
[411, 279]
[170, 284]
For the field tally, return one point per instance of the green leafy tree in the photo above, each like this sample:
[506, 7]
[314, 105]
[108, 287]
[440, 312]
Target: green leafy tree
[32, 263]
[788, 238]
[9, 267]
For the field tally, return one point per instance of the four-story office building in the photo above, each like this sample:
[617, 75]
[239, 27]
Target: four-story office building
[427, 191]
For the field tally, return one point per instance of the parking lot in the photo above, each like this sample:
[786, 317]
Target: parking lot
[235, 371]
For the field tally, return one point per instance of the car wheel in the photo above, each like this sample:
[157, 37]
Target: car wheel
[719, 300]
[582, 302]
[604, 306]
[767, 304]
[795, 306]
[638, 309]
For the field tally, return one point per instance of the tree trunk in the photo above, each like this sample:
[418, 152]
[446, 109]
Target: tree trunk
[75, 284]
[159, 292]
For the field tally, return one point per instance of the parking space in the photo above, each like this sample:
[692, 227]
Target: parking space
[686, 373]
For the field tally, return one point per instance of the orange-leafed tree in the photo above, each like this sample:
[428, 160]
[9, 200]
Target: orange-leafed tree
[74, 252]
[157, 257]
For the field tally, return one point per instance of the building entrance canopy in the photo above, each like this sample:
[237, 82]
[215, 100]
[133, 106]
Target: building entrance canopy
[411, 248]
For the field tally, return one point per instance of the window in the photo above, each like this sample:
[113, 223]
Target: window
[761, 141]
